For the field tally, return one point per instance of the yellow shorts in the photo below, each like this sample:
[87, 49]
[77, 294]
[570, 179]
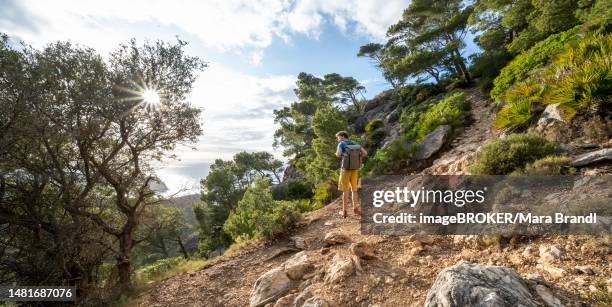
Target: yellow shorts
[348, 178]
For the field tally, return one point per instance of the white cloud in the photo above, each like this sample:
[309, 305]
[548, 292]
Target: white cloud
[222, 24]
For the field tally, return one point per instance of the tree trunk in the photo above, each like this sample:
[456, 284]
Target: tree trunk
[183, 250]
[461, 67]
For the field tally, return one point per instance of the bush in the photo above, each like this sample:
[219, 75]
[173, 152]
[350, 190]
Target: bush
[292, 189]
[451, 110]
[325, 192]
[158, 267]
[374, 134]
[550, 165]
[538, 55]
[259, 215]
[504, 156]
[579, 79]
[389, 159]
[519, 101]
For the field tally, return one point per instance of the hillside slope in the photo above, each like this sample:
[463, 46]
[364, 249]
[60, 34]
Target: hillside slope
[401, 270]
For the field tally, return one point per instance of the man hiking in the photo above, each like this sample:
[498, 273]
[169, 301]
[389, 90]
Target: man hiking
[352, 154]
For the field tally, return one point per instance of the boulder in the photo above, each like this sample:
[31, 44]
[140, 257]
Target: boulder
[315, 301]
[585, 269]
[362, 250]
[393, 116]
[432, 142]
[547, 296]
[552, 113]
[422, 239]
[303, 297]
[286, 300]
[341, 267]
[553, 271]
[296, 266]
[469, 284]
[333, 238]
[593, 157]
[269, 287]
[550, 253]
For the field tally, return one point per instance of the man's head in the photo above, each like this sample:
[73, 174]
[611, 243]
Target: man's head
[341, 136]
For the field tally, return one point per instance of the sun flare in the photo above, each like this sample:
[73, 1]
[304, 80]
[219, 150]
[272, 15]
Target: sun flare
[151, 98]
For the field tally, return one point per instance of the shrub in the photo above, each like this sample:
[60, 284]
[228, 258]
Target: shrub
[388, 159]
[579, 79]
[550, 165]
[258, 215]
[504, 156]
[325, 192]
[374, 134]
[519, 101]
[538, 55]
[292, 189]
[373, 125]
[451, 110]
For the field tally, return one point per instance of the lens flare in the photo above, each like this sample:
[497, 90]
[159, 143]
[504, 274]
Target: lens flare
[151, 98]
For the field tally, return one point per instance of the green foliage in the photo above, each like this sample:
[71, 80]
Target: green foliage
[320, 161]
[158, 267]
[519, 68]
[582, 73]
[259, 215]
[452, 110]
[325, 192]
[374, 134]
[391, 158]
[418, 120]
[519, 101]
[292, 189]
[426, 42]
[602, 296]
[578, 78]
[550, 165]
[503, 156]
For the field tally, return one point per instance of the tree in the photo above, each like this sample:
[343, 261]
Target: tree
[431, 34]
[223, 188]
[165, 230]
[376, 53]
[321, 161]
[85, 149]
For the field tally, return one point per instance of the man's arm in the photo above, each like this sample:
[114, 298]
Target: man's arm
[363, 152]
[338, 151]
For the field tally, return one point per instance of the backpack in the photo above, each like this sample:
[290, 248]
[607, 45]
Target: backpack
[351, 159]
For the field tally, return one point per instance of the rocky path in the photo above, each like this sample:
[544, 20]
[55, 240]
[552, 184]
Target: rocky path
[466, 143]
[400, 272]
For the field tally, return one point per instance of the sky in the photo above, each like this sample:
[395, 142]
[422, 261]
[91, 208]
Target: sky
[254, 50]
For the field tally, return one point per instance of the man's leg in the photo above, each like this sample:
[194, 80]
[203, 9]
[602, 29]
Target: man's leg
[345, 200]
[356, 202]
[343, 184]
[355, 192]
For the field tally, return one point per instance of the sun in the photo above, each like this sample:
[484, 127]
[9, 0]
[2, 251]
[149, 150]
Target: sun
[151, 98]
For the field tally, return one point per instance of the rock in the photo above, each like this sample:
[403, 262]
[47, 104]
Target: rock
[547, 296]
[432, 142]
[333, 238]
[593, 157]
[296, 266]
[393, 116]
[550, 253]
[315, 302]
[269, 287]
[340, 268]
[585, 269]
[362, 250]
[529, 252]
[553, 271]
[286, 300]
[422, 238]
[300, 242]
[303, 297]
[469, 284]
[580, 281]
[535, 277]
[552, 113]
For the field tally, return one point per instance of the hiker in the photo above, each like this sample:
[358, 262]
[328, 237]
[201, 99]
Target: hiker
[352, 155]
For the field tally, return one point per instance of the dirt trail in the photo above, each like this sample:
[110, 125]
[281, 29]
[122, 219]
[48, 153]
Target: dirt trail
[404, 267]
